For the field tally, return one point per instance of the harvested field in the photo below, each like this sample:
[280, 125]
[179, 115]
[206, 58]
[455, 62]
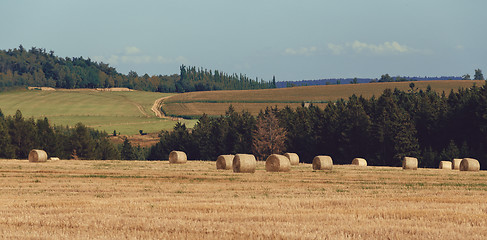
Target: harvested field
[139, 200]
[217, 102]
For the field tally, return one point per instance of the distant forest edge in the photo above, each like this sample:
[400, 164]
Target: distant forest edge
[36, 67]
[384, 78]
[333, 81]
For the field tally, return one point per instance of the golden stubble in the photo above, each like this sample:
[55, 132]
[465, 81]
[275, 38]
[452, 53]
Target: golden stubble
[136, 199]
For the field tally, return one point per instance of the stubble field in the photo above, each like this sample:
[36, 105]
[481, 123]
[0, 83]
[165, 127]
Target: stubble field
[217, 102]
[140, 200]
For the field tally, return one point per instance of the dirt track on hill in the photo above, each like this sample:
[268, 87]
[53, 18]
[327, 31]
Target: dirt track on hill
[156, 108]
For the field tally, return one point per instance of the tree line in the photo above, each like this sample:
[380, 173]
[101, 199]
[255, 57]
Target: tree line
[424, 124]
[19, 135]
[36, 67]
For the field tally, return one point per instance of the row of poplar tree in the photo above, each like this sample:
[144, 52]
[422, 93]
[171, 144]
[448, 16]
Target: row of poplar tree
[423, 124]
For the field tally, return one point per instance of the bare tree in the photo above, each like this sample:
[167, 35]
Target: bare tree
[268, 137]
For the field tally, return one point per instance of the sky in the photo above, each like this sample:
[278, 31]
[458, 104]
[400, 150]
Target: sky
[291, 40]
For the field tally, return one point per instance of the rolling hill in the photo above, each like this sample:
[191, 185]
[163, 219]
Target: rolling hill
[195, 104]
[124, 112]
[129, 112]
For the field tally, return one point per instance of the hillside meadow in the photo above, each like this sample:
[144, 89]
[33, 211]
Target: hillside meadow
[217, 102]
[125, 112]
[71, 199]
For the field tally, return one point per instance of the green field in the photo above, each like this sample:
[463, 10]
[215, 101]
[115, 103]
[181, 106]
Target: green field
[217, 102]
[125, 112]
[129, 112]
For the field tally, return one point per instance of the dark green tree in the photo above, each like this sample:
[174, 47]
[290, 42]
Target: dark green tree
[106, 150]
[22, 134]
[127, 152]
[202, 136]
[6, 150]
[478, 75]
[386, 78]
[82, 142]
[354, 134]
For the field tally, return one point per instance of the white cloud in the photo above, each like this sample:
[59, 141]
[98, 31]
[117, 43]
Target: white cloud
[139, 59]
[131, 50]
[181, 59]
[304, 51]
[386, 47]
[335, 48]
[113, 59]
[361, 47]
[131, 56]
[136, 59]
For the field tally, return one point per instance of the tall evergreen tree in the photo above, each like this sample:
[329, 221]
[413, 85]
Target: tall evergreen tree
[127, 152]
[6, 149]
[82, 142]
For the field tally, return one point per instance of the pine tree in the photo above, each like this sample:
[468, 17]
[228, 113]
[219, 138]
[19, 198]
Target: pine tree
[202, 136]
[82, 142]
[6, 150]
[127, 152]
[354, 134]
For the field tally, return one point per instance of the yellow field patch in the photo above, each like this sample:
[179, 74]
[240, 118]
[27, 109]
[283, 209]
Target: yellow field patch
[157, 200]
[217, 102]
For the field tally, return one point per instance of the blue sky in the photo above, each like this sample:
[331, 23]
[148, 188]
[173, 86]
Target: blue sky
[293, 40]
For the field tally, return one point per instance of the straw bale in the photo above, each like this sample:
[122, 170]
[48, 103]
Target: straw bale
[277, 163]
[445, 165]
[456, 163]
[409, 163]
[37, 155]
[293, 158]
[244, 163]
[224, 162]
[469, 164]
[177, 157]
[359, 162]
[322, 163]
[54, 158]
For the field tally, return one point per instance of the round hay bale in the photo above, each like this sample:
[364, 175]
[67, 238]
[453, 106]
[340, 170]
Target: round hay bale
[293, 158]
[322, 163]
[177, 157]
[456, 163]
[469, 164]
[359, 162]
[54, 158]
[244, 163]
[277, 163]
[409, 163]
[36, 155]
[224, 162]
[445, 165]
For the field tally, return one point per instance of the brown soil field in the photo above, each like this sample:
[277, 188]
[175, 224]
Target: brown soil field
[70, 199]
[216, 109]
[217, 102]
